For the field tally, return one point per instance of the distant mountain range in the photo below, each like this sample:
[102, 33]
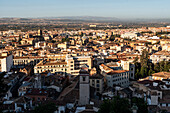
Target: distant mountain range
[86, 19]
[94, 18]
[99, 18]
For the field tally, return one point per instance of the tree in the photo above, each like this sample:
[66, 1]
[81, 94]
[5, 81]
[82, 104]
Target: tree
[53, 41]
[151, 71]
[156, 67]
[147, 43]
[67, 40]
[3, 87]
[144, 58]
[144, 63]
[143, 71]
[167, 66]
[117, 105]
[47, 108]
[105, 107]
[98, 37]
[161, 66]
[163, 111]
[137, 68]
[136, 60]
[112, 38]
[137, 74]
[90, 34]
[45, 31]
[82, 34]
[63, 40]
[141, 104]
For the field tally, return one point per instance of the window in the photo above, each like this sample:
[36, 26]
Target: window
[84, 78]
[38, 99]
[98, 81]
[97, 85]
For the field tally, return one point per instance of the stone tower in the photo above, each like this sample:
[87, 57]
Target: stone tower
[39, 32]
[84, 88]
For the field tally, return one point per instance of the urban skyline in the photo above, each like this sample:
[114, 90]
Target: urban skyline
[84, 56]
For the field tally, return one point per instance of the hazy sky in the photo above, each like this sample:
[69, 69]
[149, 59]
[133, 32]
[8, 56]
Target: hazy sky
[105, 8]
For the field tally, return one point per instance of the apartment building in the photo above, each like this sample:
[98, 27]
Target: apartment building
[63, 45]
[151, 91]
[129, 66]
[129, 35]
[160, 56]
[164, 41]
[123, 65]
[22, 61]
[53, 66]
[56, 56]
[6, 62]
[117, 77]
[161, 75]
[75, 63]
[41, 44]
[27, 41]
[114, 75]
[166, 47]
[97, 81]
[70, 65]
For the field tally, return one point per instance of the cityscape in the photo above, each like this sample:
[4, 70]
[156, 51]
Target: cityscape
[56, 59]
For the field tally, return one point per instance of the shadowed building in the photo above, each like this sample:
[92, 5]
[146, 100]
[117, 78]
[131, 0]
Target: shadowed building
[84, 90]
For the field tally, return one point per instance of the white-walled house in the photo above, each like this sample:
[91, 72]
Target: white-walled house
[160, 56]
[6, 62]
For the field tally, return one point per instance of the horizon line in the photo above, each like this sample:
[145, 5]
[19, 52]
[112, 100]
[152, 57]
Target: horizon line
[121, 18]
